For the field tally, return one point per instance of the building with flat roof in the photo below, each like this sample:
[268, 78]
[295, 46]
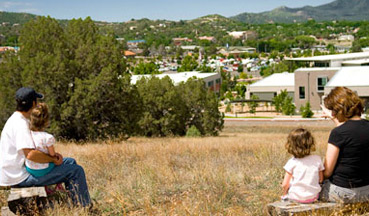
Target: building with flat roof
[330, 60]
[271, 86]
[236, 51]
[212, 80]
[361, 62]
[310, 85]
[354, 78]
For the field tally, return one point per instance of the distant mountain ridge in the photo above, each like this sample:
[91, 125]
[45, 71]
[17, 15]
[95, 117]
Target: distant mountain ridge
[354, 10]
[13, 18]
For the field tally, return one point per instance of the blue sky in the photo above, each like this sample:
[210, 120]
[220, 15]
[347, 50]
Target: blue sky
[124, 10]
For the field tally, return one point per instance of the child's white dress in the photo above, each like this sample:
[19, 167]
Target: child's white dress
[304, 185]
[42, 140]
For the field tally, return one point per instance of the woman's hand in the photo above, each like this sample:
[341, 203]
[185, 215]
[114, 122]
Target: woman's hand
[330, 160]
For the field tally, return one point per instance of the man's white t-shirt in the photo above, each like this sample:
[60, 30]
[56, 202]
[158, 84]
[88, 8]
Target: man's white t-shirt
[15, 137]
[304, 184]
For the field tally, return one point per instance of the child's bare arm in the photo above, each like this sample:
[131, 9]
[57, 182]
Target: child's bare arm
[286, 182]
[321, 177]
[51, 150]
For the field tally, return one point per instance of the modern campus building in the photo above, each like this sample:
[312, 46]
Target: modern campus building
[354, 78]
[310, 85]
[321, 74]
[269, 87]
[330, 60]
[212, 80]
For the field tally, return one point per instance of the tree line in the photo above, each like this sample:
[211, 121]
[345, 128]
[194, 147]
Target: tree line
[88, 89]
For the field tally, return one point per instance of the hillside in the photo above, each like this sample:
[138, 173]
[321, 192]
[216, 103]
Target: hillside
[336, 10]
[13, 18]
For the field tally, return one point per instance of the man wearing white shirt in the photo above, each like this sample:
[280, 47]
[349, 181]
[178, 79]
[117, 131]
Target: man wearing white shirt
[16, 144]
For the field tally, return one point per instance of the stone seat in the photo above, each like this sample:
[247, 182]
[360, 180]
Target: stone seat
[20, 199]
[286, 208]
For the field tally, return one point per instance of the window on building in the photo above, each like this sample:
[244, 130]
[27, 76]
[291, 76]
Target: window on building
[302, 92]
[217, 81]
[322, 81]
[321, 64]
[210, 84]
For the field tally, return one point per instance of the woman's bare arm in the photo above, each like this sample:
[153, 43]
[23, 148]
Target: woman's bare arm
[330, 159]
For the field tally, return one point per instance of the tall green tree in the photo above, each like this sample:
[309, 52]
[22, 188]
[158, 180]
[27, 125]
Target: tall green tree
[103, 106]
[11, 80]
[45, 61]
[163, 110]
[188, 64]
[201, 107]
[82, 74]
[146, 68]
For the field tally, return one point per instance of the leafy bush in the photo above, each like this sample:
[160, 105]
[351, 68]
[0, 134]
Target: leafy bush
[252, 105]
[193, 132]
[288, 108]
[228, 108]
[306, 111]
[169, 109]
[283, 103]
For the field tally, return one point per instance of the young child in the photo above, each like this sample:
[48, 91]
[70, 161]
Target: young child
[43, 141]
[304, 171]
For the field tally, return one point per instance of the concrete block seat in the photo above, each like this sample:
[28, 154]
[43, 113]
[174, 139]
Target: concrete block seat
[284, 208]
[26, 201]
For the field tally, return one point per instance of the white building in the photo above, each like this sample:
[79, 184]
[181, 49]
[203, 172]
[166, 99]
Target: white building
[271, 86]
[330, 60]
[354, 78]
[346, 38]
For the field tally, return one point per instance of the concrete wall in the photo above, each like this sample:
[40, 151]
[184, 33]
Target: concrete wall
[268, 92]
[362, 91]
[213, 80]
[309, 79]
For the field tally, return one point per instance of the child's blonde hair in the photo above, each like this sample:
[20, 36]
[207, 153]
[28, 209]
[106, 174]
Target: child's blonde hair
[300, 143]
[39, 117]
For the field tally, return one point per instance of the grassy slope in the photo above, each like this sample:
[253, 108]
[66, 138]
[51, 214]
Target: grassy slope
[237, 173]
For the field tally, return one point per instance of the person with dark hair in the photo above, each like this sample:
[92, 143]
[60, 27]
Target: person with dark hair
[304, 171]
[347, 157]
[17, 145]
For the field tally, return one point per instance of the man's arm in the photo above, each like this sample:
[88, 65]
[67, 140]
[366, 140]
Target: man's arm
[40, 157]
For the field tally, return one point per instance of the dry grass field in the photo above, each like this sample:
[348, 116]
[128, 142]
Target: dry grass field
[237, 173]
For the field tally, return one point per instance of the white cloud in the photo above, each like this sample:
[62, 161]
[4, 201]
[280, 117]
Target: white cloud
[18, 6]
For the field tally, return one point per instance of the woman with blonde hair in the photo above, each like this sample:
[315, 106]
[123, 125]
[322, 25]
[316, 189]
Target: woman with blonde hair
[347, 157]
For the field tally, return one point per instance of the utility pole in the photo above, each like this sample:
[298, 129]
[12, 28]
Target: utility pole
[309, 87]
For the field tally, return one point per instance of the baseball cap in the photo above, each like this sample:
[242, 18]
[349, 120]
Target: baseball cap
[27, 94]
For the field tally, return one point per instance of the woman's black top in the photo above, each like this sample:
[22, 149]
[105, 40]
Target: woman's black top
[352, 167]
